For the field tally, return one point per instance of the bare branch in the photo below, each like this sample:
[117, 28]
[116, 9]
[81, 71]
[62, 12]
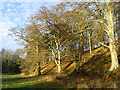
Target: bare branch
[101, 5]
[103, 44]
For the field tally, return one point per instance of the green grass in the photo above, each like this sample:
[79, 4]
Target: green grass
[94, 72]
[15, 81]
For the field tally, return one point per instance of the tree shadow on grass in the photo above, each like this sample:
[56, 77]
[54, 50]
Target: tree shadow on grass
[49, 70]
[30, 82]
[45, 85]
[42, 85]
[18, 79]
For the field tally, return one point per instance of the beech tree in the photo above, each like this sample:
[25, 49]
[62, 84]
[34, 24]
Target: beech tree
[107, 21]
[77, 18]
[31, 35]
[56, 29]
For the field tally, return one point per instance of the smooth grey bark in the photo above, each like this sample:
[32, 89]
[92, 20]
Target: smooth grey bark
[112, 43]
[90, 43]
[57, 55]
[110, 32]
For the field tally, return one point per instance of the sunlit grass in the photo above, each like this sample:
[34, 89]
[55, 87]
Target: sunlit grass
[16, 81]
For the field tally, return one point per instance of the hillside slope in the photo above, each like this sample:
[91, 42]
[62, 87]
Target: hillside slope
[93, 73]
[96, 65]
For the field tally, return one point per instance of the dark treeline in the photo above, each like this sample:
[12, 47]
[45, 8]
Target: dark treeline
[10, 61]
[67, 30]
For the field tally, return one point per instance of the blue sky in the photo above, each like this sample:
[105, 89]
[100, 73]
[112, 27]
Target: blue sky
[15, 13]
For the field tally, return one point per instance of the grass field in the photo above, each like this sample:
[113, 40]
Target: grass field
[93, 74]
[16, 81]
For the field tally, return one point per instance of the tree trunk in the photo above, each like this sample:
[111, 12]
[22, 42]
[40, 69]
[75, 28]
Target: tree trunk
[114, 58]
[90, 44]
[110, 33]
[57, 61]
[57, 57]
[78, 59]
[38, 51]
[59, 66]
[112, 46]
[77, 65]
[113, 52]
[50, 58]
[39, 69]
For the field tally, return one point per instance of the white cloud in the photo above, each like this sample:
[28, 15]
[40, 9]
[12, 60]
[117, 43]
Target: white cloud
[8, 10]
[11, 19]
[17, 19]
[5, 40]
[15, 15]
